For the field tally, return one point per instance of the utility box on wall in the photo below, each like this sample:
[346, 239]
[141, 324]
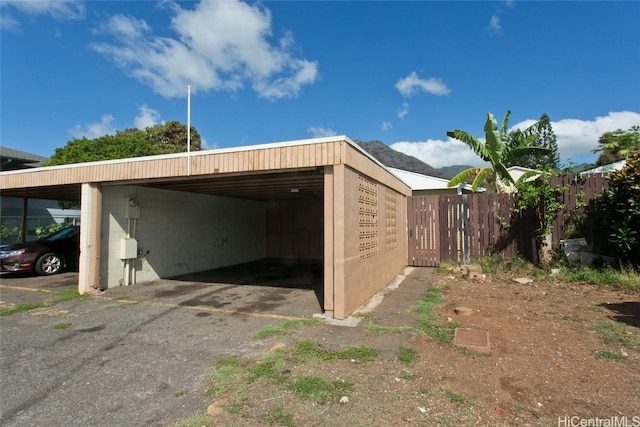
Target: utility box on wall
[131, 208]
[128, 248]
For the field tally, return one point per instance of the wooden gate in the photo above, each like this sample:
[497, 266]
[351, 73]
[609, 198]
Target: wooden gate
[457, 228]
[424, 232]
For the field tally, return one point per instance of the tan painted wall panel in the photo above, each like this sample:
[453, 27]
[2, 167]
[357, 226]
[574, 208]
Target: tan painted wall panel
[364, 277]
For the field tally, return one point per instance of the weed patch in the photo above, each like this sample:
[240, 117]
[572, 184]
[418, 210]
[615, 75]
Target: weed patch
[407, 355]
[62, 296]
[428, 320]
[608, 355]
[279, 416]
[624, 279]
[285, 327]
[61, 325]
[308, 349]
[377, 329]
[320, 390]
[618, 333]
[197, 420]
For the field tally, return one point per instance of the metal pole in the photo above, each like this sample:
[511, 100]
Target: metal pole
[188, 130]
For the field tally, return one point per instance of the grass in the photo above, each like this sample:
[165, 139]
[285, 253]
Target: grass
[428, 319]
[227, 375]
[454, 398]
[179, 393]
[279, 416]
[378, 329]
[197, 420]
[62, 296]
[407, 355]
[608, 355]
[624, 279]
[61, 325]
[577, 319]
[308, 349]
[617, 333]
[235, 377]
[320, 390]
[285, 327]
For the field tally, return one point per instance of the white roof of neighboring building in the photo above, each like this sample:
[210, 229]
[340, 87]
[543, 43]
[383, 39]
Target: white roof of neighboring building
[418, 181]
[616, 166]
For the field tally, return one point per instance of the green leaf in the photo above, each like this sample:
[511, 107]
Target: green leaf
[464, 177]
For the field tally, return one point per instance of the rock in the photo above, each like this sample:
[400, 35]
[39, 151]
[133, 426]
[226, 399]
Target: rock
[463, 311]
[523, 280]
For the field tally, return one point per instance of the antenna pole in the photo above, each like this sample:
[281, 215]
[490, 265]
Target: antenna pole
[188, 130]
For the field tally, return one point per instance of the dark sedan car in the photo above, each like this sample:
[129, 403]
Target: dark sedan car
[45, 256]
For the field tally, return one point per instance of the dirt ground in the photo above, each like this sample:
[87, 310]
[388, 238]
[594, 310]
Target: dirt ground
[559, 354]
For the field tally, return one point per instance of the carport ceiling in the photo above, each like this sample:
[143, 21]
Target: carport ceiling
[69, 192]
[256, 186]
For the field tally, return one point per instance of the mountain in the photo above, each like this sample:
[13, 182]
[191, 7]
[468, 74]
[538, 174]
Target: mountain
[395, 159]
[454, 170]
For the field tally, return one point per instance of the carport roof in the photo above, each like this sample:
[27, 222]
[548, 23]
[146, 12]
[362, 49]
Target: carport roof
[263, 171]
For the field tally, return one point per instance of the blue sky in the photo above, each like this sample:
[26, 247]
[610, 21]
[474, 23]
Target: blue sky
[400, 72]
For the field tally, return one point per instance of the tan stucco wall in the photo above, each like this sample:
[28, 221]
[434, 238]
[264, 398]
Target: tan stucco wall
[363, 277]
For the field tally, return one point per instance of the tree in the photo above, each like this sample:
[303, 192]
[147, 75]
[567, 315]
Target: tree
[613, 218]
[497, 149]
[617, 145]
[170, 137]
[545, 138]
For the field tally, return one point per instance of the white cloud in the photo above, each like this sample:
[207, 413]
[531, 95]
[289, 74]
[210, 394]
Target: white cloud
[147, 117]
[386, 125]
[95, 129]
[581, 136]
[219, 45]
[320, 131]
[494, 23]
[573, 136]
[439, 153]
[412, 84]
[404, 111]
[205, 145]
[57, 9]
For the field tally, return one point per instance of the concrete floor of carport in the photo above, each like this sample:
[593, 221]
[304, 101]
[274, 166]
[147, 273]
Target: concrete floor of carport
[268, 287]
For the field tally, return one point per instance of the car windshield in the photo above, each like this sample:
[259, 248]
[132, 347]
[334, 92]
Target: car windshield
[62, 234]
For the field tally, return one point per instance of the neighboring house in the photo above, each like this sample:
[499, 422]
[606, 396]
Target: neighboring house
[11, 159]
[40, 212]
[516, 173]
[611, 167]
[427, 185]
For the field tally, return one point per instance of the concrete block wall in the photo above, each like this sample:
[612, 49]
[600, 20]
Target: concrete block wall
[180, 232]
[363, 277]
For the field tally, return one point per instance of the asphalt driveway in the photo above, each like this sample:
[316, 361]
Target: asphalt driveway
[135, 356]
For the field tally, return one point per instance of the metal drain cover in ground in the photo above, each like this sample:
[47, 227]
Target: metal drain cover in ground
[473, 339]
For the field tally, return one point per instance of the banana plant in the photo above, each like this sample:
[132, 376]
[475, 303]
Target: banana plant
[497, 148]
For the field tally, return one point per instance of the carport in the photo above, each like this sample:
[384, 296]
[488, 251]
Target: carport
[321, 202]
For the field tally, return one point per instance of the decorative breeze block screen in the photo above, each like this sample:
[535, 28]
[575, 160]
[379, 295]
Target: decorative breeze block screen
[368, 217]
[391, 218]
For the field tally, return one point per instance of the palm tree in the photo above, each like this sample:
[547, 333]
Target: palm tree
[496, 150]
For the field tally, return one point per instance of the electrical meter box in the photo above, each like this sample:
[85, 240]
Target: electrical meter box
[131, 208]
[128, 248]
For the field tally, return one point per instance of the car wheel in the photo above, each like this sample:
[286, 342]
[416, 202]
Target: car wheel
[48, 264]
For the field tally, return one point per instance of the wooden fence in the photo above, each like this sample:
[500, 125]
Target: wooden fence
[457, 228]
